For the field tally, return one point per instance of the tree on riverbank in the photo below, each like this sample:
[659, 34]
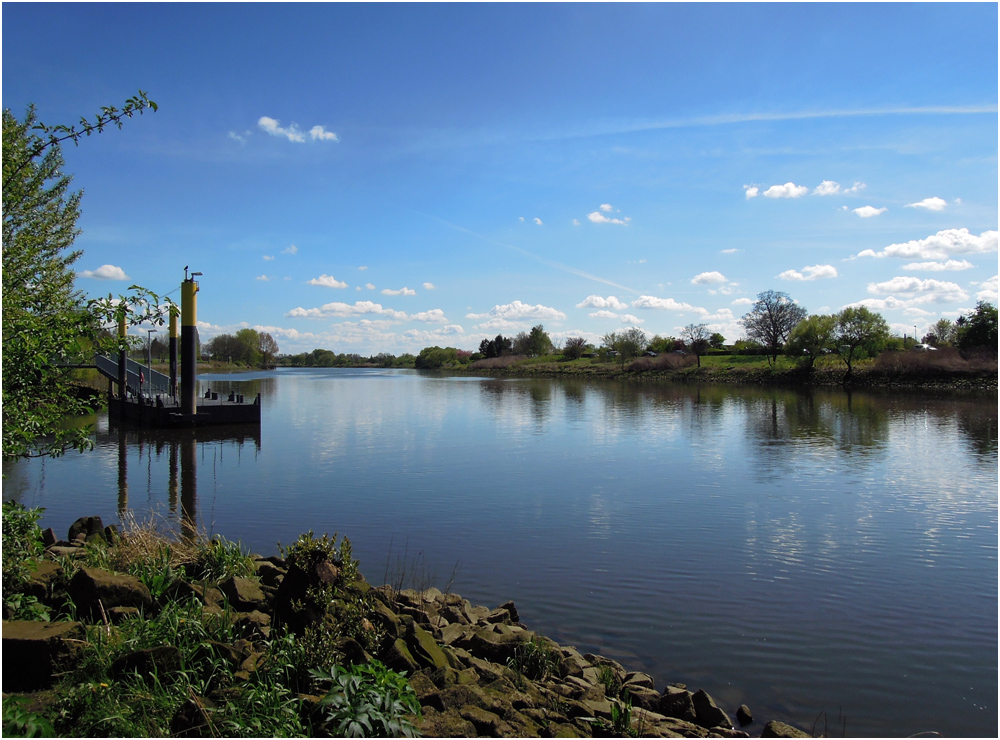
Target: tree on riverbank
[771, 320]
[697, 337]
[978, 330]
[811, 337]
[859, 333]
[47, 323]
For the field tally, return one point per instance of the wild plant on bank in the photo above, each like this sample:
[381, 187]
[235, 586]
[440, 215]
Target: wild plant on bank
[22, 544]
[534, 659]
[367, 700]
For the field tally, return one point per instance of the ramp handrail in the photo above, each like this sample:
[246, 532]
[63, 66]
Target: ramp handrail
[153, 381]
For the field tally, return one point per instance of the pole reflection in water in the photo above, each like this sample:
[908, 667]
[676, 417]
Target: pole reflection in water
[122, 473]
[189, 486]
[181, 448]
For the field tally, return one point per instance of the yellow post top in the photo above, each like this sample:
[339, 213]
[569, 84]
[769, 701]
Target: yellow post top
[189, 303]
[122, 330]
[173, 321]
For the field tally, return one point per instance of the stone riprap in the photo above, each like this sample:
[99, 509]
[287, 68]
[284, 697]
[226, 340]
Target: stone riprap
[476, 671]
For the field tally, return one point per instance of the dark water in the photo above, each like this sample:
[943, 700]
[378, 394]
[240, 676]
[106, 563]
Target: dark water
[799, 552]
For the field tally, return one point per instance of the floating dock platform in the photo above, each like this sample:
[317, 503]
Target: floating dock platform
[168, 413]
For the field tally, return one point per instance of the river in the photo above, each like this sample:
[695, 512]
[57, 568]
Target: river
[814, 554]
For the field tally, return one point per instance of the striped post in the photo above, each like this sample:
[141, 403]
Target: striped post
[189, 360]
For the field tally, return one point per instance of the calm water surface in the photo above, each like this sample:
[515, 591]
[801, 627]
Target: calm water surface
[799, 552]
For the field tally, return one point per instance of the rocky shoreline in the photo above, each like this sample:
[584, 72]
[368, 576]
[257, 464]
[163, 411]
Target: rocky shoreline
[476, 671]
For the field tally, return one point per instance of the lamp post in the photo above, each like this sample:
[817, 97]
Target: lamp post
[149, 359]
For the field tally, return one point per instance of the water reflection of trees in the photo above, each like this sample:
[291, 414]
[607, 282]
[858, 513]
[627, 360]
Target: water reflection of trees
[855, 424]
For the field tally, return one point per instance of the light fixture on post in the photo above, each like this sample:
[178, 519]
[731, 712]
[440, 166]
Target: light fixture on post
[149, 359]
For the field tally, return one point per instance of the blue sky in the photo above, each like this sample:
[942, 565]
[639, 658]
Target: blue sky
[373, 177]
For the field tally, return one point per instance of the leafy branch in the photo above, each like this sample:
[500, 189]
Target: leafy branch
[54, 135]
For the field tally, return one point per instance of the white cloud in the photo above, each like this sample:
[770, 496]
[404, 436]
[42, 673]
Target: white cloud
[988, 290]
[292, 249]
[930, 204]
[293, 133]
[949, 266]
[327, 281]
[401, 291]
[538, 221]
[752, 191]
[576, 222]
[599, 218]
[430, 286]
[941, 245]
[263, 278]
[869, 211]
[730, 251]
[274, 128]
[425, 337]
[603, 315]
[633, 320]
[743, 302]
[346, 310]
[369, 286]
[318, 133]
[596, 301]
[105, 272]
[708, 278]
[521, 219]
[827, 187]
[810, 273]
[856, 188]
[663, 304]
[508, 314]
[606, 207]
[242, 138]
[268, 257]
[788, 190]
[917, 291]
[434, 316]
[363, 268]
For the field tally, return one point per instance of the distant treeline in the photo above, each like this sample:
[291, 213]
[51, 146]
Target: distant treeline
[775, 326]
[328, 358]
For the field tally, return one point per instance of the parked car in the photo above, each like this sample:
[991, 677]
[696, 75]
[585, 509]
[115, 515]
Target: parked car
[924, 348]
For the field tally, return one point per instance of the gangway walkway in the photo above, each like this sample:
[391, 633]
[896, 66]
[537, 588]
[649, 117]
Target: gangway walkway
[153, 382]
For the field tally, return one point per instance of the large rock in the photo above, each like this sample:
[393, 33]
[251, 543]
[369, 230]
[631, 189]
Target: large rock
[43, 575]
[244, 594]
[677, 702]
[87, 526]
[707, 712]
[34, 651]
[774, 728]
[91, 586]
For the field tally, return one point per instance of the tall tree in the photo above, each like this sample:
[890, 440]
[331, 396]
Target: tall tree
[811, 337]
[859, 333]
[574, 347]
[771, 320]
[46, 322]
[539, 342]
[978, 330]
[249, 341]
[697, 337]
[268, 349]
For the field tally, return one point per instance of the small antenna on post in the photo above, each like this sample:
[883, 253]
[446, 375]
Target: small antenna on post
[185, 273]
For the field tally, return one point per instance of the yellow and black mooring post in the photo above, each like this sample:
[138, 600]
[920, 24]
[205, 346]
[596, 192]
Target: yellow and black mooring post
[173, 351]
[189, 333]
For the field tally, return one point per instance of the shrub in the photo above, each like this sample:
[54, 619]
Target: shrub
[664, 362]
